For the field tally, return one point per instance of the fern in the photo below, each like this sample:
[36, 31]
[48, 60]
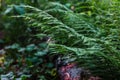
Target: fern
[48, 23]
[74, 36]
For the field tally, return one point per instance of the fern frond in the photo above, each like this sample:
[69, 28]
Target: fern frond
[73, 35]
[47, 23]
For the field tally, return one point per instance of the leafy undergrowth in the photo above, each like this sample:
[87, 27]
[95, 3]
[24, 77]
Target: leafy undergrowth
[36, 36]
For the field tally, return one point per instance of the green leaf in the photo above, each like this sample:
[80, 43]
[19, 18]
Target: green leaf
[8, 10]
[24, 77]
[19, 9]
[30, 47]
[43, 45]
[21, 49]
[49, 65]
[15, 46]
[41, 53]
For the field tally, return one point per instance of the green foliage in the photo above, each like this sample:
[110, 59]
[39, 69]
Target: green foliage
[87, 31]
